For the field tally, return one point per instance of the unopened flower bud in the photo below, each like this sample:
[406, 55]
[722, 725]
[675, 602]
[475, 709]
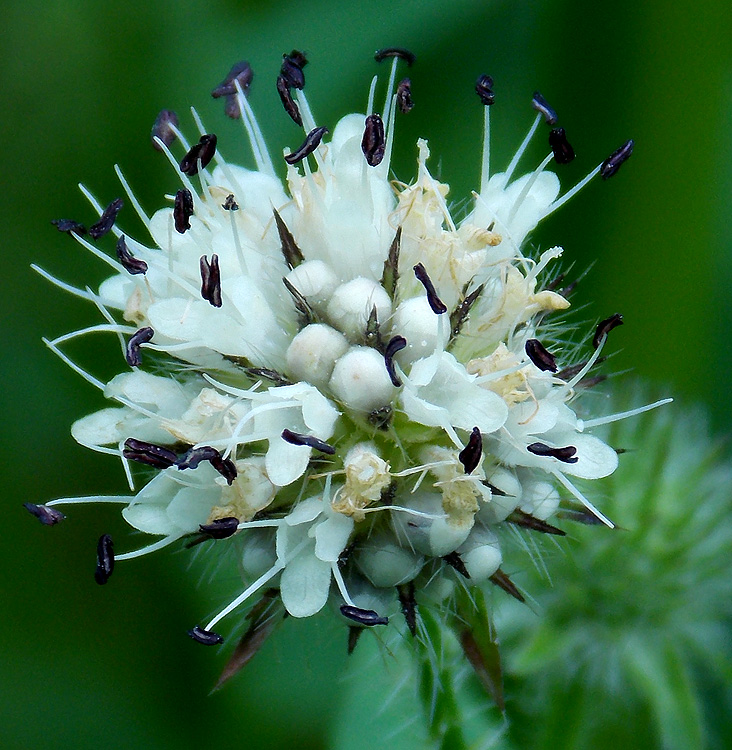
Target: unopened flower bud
[315, 280]
[360, 380]
[313, 353]
[415, 320]
[352, 303]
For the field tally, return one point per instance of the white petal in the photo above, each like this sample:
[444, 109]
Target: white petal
[305, 584]
[152, 518]
[331, 537]
[305, 511]
[595, 458]
[191, 507]
[285, 462]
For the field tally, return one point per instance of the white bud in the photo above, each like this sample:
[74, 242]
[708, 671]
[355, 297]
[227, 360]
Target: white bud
[481, 554]
[540, 499]
[415, 320]
[360, 380]
[315, 280]
[500, 506]
[385, 563]
[313, 352]
[351, 304]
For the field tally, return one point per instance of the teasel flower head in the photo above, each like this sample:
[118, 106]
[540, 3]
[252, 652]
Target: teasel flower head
[360, 392]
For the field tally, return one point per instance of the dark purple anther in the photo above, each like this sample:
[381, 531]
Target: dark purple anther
[47, 516]
[311, 142]
[373, 143]
[241, 72]
[69, 226]
[484, 89]
[182, 210]
[366, 617]
[567, 454]
[288, 102]
[470, 455]
[131, 264]
[437, 305]
[106, 220]
[133, 354]
[230, 203]
[613, 162]
[561, 148]
[151, 454]
[202, 152]
[542, 358]
[206, 637]
[396, 344]
[403, 54]
[225, 466]
[312, 442]
[221, 528]
[292, 69]
[105, 559]
[404, 96]
[211, 280]
[604, 327]
[541, 105]
[162, 129]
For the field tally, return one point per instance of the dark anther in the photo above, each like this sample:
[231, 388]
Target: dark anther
[69, 226]
[306, 313]
[293, 254]
[312, 442]
[396, 344]
[404, 96]
[132, 353]
[455, 561]
[232, 108]
[542, 358]
[131, 264]
[470, 455]
[501, 579]
[561, 148]
[106, 220]
[105, 559]
[437, 305]
[291, 69]
[354, 633]
[149, 453]
[404, 54]
[182, 210]
[484, 89]
[206, 637]
[241, 72]
[604, 327]
[373, 143]
[366, 617]
[211, 280]
[460, 314]
[390, 274]
[47, 516]
[230, 203]
[566, 454]
[201, 153]
[527, 521]
[540, 104]
[613, 162]
[221, 528]
[162, 130]
[311, 142]
[192, 458]
[288, 102]
[409, 606]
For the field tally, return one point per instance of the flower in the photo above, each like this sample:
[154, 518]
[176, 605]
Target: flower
[351, 386]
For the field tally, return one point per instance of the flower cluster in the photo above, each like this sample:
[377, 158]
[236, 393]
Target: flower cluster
[355, 392]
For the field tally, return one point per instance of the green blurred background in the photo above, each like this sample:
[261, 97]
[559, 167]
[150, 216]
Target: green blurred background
[82, 81]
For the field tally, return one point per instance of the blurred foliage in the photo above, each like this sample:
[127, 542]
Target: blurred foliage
[82, 82]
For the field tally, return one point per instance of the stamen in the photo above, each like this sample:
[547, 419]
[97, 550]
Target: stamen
[561, 148]
[501, 579]
[567, 454]
[538, 354]
[590, 507]
[403, 54]
[396, 344]
[312, 442]
[460, 314]
[291, 251]
[373, 142]
[390, 274]
[221, 528]
[151, 454]
[366, 617]
[131, 264]
[589, 423]
[161, 130]
[409, 606]
[211, 280]
[292, 69]
[206, 637]
[484, 90]
[288, 102]
[192, 458]
[199, 155]
[68, 226]
[454, 560]
[404, 96]
[47, 516]
[230, 203]
[183, 210]
[613, 162]
[527, 521]
[437, 305]
[106, 220]
[105, 559]
[604, 327]
[470, 455]
[132, 354]
[541, 105]
[240, 71]
[573, 370]
[311, 142]
[521, 149]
